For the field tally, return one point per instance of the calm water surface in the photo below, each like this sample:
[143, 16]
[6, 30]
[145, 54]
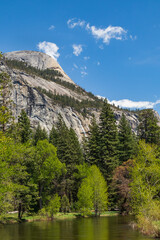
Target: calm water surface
[104, 228]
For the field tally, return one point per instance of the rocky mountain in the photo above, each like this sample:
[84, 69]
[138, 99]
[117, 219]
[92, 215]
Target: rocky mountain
[43, 89]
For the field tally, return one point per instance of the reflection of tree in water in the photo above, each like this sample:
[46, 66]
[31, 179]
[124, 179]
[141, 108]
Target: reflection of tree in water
[100, 228]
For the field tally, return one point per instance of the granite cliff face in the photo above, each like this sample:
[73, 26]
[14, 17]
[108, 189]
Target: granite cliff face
[38, 60]
[41, 108]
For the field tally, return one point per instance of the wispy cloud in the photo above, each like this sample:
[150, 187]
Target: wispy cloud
[84, 67]
[84, 73]
[133, 37]
[126, 103]
[98, 63]
[73, 22]
[75, 66]
[86, 58]
[51, 27]
[77, 49]
[105, 34]
[49, 48]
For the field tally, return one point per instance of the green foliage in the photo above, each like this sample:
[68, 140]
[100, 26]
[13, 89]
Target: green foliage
[5, 102]
[54, 206]
[24, 126]
[18, 189]
[50, 75]
[65, 205]
[127, 141]
[46, 166]
[39, 134]
[69, 152]
[145, 185]
[148, 128]
[108, 142]
[64, 100]
[92, 193]
[93, 148]
[85, 197]
[6, 193]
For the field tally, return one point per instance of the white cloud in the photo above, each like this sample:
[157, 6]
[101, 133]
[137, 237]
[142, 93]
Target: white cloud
[98, 63]
[86, 58]
[75, 66]
[84, 73]
[101, 47]
[84, 67]
[72, 23]
[133, 37]
[77, 49]
[106, 34]
[51, 27]
[49, 48]
[126, 103]
[100, 97]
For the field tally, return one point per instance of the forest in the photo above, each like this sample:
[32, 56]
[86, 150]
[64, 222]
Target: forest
[112, 168]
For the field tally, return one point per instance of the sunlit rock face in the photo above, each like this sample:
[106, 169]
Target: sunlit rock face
[38, 60]
[39, 107]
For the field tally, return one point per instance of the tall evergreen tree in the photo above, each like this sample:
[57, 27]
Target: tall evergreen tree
[108, 142]
[93, 155]
[39, 134]
[24, 126]
[127, 141]
[69, 152]
[148, 128]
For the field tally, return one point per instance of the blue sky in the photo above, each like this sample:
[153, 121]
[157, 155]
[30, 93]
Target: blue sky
[111, 48]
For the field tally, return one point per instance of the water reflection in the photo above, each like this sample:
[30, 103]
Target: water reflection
[104, 228]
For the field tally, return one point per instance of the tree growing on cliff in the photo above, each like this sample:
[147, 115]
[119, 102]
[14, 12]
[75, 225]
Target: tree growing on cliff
[5, 101]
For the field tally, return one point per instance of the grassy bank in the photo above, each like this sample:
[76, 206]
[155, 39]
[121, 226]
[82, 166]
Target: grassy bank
[147, 227]
[10, 218]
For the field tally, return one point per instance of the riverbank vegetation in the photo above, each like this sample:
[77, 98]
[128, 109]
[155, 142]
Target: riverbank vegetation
[42, 174]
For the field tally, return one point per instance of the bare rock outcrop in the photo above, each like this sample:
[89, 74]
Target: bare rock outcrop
[42, 109]
[38, 60]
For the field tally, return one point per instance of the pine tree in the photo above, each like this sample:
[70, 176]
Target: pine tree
[127, 141]
[24, 126]
[108, 142]
[53, 136]
[148, 128]
[39, 134]
[93, 154]
[69, 152]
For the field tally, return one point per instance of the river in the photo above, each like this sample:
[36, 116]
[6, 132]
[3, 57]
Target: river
[103, 228]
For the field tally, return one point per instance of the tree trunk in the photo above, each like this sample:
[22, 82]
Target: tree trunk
[40, 195]
[19, 211]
